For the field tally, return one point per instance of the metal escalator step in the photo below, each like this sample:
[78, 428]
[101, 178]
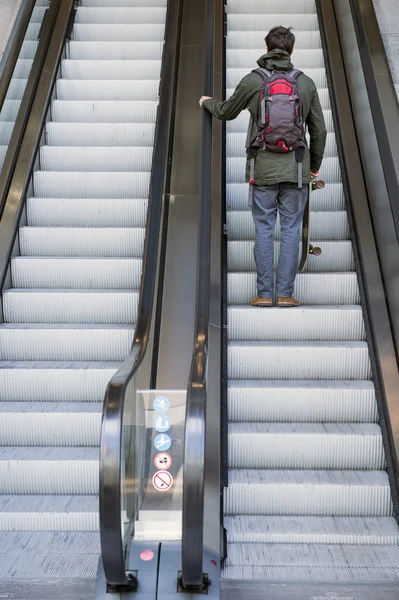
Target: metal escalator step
[86, 212]
[305, 446]
[93, 32]
[336, 256]
[26, 341]
[76, 273]
[38, 14]
[48, 470]
[105, 159]
[49, 556]
[28, 49]
[330, 171]
[9, 112]
[331, 198]
[298, 360]
[263, 22]
[23, 68]
[308, 493]
[121, 15]
[310, 401]
[313, 530]
[246, 58]
[49, 424]
[310, 288]
[64, 381]
[235, 145]
[303, 562]
[323, 226]
[100, 134]
[91, 185]
[133, 90]
[99, 111]
[70, 306]
[282, 7]
[90, 242]
[48, 513]
[234, 76]
[16, 89]
[126, 3]
[115, 50]
[32, 33]
[306, 323]
[240, 124]
[110, 69]
[305, 40]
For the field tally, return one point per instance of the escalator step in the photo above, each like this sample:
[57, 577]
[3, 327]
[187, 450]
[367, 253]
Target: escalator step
[87, 212]
[111, 15]
[76, 273]
[313, 530]
[110, 69]
[98, 159]
[122, 32]
[306, 323]
[298, 360]
[49, 424]
[70, 306]
[323, 226]
[115, 51]
[313, 493]
[310, 288]
[312, 401]
[305, 446]
[26, 341]
[134, 90]
[64, 381]
[336, 256]
[99, 111]
[48, 513]
[91, 185]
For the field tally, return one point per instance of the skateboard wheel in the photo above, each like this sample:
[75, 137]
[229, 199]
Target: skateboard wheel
[319, 185]
[315, 250]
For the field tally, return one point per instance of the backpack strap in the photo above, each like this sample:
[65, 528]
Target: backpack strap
[263, 73]
[294, 73]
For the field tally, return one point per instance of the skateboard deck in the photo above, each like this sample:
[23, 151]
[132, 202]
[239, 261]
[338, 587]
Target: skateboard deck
[307, 247]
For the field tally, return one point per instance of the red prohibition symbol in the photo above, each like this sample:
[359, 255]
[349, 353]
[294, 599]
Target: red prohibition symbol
[162, 481]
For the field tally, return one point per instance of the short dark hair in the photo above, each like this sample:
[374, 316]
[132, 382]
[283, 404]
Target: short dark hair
[280, 38]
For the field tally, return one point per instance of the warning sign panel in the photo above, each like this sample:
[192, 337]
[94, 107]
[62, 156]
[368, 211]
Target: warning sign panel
[163, 461]
[162, 481]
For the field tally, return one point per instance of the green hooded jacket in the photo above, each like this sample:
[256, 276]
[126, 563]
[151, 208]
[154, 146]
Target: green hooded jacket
[272, 167]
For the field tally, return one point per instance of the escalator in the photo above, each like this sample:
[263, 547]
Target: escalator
[70, 297]
[309, 497]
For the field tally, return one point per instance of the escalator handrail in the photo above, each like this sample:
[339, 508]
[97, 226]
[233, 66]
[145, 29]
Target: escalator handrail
[195, 425]
[13, 48]
[112, 543]
[25, 140]
[382, 96]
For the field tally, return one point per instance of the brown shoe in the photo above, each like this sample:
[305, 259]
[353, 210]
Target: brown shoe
[262, 301]
[287, 302]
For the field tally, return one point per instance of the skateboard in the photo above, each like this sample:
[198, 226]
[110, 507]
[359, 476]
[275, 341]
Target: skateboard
[307, 247]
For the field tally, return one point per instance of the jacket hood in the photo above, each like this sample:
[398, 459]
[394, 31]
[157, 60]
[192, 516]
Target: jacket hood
[276, 60]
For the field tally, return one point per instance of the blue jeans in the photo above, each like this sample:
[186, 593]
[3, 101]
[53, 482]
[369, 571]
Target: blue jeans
[266, 201]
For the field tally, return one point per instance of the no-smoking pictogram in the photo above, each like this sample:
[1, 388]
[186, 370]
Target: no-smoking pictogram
[162, 481]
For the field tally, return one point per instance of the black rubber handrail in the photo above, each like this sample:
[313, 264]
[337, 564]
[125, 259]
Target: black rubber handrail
[28, 129]
[195, 426]
[13, 47]
[112, 542]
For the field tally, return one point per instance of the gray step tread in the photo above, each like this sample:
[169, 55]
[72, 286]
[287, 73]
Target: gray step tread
[302, 384]
[49, 555]
[43, 454]
[67, 291]
[306, 429]
[291, 477]
[322, 530]
[115, 15]
[56, 408]
[65, 327]
[98, 159]
[40, 503]
[122, 32]
[292, 344]
[104, 134]
[58, 365]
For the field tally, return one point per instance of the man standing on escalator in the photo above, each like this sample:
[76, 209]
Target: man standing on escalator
[280, 165]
